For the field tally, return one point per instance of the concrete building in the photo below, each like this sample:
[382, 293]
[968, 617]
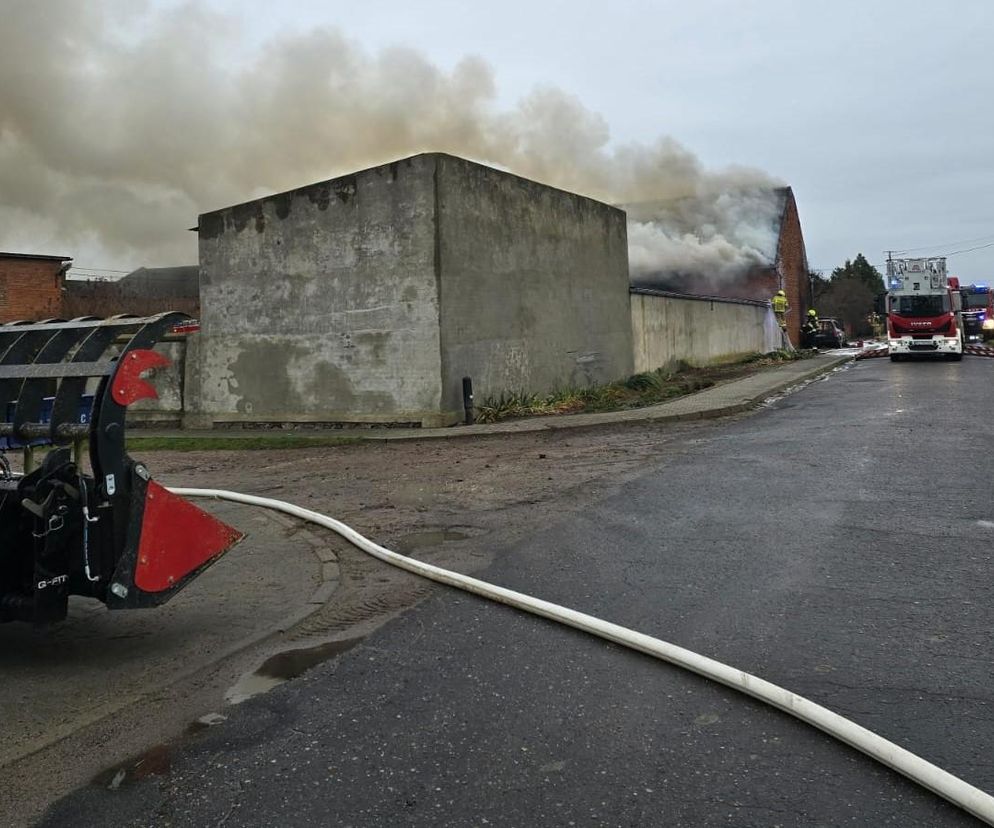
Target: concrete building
[142, 292]
[367, 298]
[31, 286]
[766, 226]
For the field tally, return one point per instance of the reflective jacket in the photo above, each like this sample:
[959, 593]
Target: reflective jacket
[779, 304]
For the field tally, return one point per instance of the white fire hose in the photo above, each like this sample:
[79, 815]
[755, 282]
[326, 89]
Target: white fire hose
[960, 793]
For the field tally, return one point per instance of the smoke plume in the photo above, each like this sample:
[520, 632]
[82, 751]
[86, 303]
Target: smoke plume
[119, 125]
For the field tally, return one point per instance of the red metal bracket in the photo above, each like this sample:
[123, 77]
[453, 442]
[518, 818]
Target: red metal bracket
[177, 538]
[128, 386]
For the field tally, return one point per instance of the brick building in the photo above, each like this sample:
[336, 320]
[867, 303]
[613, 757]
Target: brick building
[31, 286]
[789, 268]
[776, 240]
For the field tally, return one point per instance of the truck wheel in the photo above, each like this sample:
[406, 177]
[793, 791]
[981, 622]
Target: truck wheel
[895, 357]
[956, 357]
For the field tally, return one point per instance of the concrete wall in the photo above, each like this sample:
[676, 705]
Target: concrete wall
[664, 327]
[169, 381]
[320, 304]
[368, 297]
[668, 327]
[533, 285]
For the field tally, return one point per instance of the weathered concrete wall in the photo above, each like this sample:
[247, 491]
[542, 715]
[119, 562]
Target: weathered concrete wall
[699, 330]
[368, 298]
[169, 382]
[533, 285]
[320, 304]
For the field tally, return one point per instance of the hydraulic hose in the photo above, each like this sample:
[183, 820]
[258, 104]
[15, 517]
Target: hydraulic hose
[934, 778]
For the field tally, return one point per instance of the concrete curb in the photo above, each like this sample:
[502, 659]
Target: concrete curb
[661, 412]
[757, 399]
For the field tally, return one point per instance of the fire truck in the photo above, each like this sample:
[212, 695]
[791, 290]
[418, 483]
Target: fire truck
[978, 312]
[924, 310]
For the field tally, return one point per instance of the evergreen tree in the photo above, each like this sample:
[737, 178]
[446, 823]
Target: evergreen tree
[849, 294]
[860, 269]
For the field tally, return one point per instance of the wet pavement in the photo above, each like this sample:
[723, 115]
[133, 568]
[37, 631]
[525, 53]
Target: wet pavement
[61, 682]
[839, 543]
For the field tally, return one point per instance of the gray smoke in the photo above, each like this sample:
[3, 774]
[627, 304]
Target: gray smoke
[119, 125]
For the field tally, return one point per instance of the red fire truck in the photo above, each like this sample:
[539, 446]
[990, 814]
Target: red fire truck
[978, 312]
[923, 310]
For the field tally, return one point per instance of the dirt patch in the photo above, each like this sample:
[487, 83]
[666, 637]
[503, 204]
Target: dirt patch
[430, 490]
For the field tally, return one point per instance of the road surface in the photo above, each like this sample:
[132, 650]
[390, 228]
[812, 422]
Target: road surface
[838, 543]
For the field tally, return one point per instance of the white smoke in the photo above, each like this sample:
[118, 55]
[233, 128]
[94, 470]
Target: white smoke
[119, 125]
[716, 234]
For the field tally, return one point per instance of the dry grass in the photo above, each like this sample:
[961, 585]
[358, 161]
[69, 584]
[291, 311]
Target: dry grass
[637, 391]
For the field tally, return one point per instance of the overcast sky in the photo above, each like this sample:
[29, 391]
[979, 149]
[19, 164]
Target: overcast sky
[878, 113]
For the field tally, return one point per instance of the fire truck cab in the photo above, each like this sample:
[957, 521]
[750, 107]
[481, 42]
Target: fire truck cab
[978, 312]
[924, 310]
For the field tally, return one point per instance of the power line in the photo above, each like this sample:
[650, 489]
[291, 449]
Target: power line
[971, 249]
[944, 244]
[102, 269]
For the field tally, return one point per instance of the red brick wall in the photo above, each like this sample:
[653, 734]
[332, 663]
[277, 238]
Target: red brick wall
[792, 264]
[30, 289]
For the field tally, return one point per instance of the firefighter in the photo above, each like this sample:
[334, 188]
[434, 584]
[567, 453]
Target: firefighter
[809, 329]
[780, 308]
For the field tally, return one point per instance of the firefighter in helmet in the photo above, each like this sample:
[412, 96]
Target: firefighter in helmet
[809, 329]
[780, 308]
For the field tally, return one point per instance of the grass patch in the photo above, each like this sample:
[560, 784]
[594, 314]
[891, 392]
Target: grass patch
[637, 391]
[248, 443]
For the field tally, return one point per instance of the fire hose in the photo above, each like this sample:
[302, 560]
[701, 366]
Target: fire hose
[960, 793]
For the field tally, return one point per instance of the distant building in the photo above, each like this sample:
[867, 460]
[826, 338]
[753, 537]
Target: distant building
[142, 292]
[181, 282]
[31, 286]
[741, 246]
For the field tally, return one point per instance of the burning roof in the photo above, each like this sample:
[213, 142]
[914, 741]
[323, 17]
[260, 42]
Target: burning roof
[713, 244]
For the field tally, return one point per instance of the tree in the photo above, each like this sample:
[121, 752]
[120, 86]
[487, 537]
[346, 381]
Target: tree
[859, 268]
[849, 300]
[819, 284]
[848, 295]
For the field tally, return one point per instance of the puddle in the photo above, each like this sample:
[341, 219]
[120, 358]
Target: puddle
[156, 761]
[284, 666]
[427, 540]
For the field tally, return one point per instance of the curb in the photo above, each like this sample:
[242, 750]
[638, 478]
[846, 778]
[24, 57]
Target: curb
[647, 414]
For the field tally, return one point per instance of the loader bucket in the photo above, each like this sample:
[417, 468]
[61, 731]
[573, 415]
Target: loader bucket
[92, 524]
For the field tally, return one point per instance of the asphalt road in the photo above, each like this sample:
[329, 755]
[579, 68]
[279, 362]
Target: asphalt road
[838, 543]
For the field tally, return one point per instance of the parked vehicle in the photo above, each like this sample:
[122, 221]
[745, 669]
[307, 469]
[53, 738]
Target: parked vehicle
[923, 310]
[830, 334]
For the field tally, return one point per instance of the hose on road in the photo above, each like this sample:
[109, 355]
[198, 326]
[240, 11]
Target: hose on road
[934, 778]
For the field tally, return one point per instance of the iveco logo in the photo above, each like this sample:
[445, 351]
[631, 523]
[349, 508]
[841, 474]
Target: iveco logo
[922, 324]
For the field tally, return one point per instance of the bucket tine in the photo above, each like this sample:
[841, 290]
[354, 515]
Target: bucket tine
[110, 532]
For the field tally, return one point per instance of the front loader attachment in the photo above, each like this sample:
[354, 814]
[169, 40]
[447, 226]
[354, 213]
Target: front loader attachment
[94, 525]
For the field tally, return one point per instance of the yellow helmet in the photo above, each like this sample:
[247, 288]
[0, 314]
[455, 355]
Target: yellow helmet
[812, 312]
[781, 293]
